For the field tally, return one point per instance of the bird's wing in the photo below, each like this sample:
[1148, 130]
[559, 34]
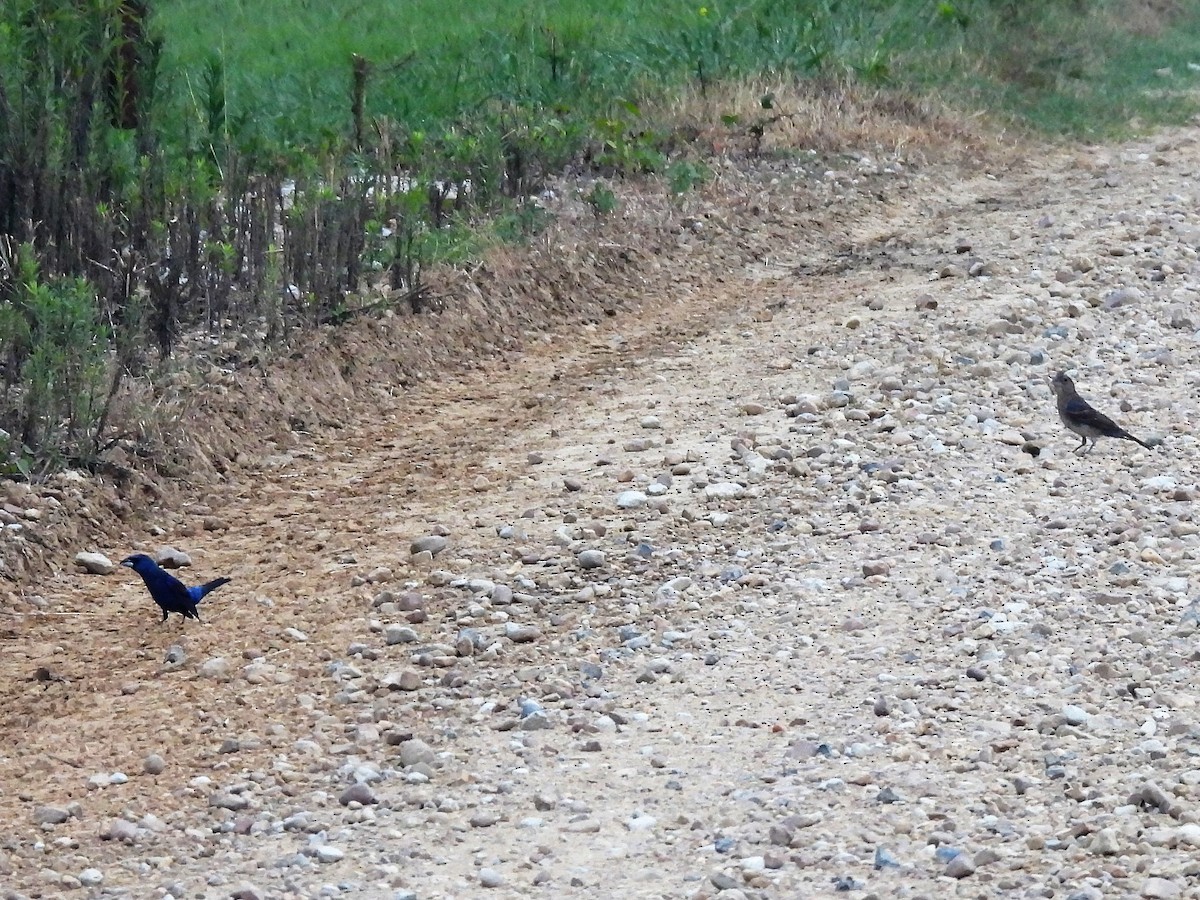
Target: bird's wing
[168, 591]
[1080, 409]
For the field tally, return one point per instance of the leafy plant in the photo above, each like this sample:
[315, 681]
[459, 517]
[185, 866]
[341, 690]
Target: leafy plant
[686, 175]
[55, 351]
[601, 199]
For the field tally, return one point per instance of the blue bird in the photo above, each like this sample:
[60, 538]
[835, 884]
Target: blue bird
[171, 594]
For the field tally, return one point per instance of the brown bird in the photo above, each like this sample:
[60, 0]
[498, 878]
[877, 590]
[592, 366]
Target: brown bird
[1084, 419]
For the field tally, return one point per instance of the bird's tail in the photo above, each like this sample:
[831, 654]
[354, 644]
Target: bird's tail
[206, 588]
[1127, 435]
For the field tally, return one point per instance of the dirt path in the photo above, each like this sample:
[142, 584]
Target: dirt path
[849, 637]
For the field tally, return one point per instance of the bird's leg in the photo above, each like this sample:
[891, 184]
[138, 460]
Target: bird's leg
[1091, 446]
[1081, 446]
[164, 618]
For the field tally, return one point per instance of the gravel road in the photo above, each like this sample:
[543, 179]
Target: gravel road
[788, 586]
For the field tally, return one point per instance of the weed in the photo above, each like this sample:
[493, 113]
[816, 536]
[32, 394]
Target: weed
[55, 359]
[685, 175]
[601, 199]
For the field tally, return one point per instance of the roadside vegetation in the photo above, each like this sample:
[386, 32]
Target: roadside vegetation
[226, 167]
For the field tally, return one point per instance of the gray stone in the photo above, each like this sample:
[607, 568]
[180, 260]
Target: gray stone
[1160, 889]
[1105, 842]
[244, 891]
[399, 634]
[222, 800]
[94, 563]
[631, 500]
[153, 764]
[170, 558]
[91, 877]
[50, 815]
[119, 830]
[327, 853]
[217, 667]
[590, 559]
[408, 680]
[490, 878]
[357, 793]
[960, 866]
[724, 490]
[433, 544]
[175, 656]
[415, 752]
[521, 634]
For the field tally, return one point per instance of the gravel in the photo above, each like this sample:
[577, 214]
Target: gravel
[812, 617]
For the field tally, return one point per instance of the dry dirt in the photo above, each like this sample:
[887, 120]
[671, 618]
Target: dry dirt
[870, 629]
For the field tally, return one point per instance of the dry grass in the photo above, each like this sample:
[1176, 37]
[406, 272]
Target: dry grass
[1146, 18]
[831, 117]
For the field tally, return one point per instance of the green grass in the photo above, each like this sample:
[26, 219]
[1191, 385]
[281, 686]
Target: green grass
[287, 63]
[439, 69]
[1090, 69]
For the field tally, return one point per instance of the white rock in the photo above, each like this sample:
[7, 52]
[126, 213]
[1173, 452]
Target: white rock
[94, 563]
[631, 500]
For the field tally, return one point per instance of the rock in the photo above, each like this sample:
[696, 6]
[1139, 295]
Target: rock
[327, 853]
[175, 656]
[170, 558]
[535, 721]
[408, 680]
[399, 634]
[244, 890]
[631, 500]
[222, 800]
[1105, 842]
[1160, 889]
[432, 544]
[415, 752]
[94, 563]
[50, 815]
[119, 830]
[490, 878]
[357, 793]
[960, 866]
[590, 559]
[217, 667]
[91, 877]
[153, 764]
[724, 490]
[1121, 297]
[1074, 715]
[641, 823]
[521, 634]
[1188, 835]
[885, 860]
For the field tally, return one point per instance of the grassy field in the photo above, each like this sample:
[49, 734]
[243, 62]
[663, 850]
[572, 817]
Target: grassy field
[1064, 66]
[288, 63]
